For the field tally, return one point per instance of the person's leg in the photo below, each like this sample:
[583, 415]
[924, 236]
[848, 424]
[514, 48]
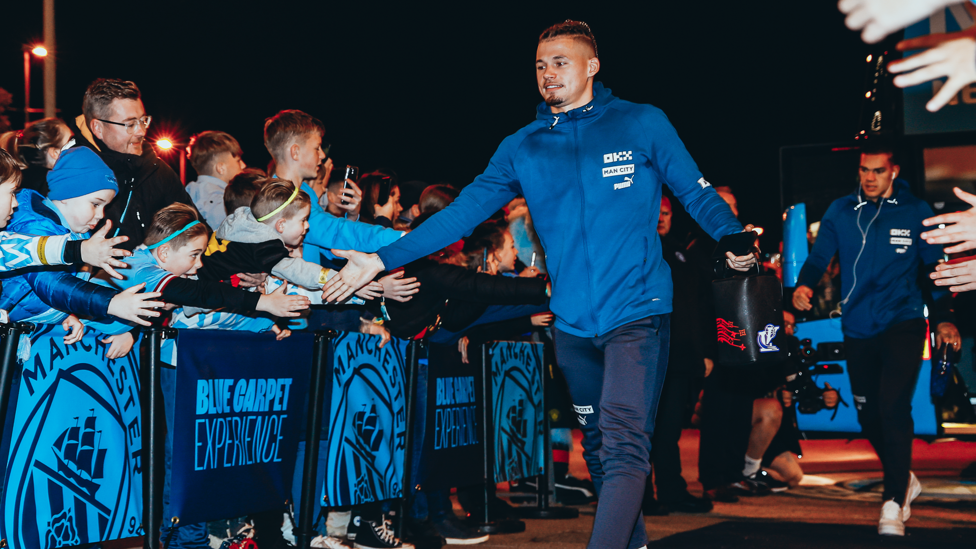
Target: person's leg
[726, 420]
[786, 468]
[864, 372]
[767, 414]
[665, 455]
[902, 358]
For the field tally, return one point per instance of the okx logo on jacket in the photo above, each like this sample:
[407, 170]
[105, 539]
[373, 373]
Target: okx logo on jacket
[74, 455]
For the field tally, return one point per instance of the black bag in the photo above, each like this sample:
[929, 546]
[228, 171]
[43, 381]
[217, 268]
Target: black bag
[748, 309]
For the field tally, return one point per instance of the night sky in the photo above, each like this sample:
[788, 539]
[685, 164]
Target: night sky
[431, 90]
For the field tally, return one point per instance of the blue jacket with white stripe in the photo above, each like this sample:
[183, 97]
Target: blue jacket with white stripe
[592, 179]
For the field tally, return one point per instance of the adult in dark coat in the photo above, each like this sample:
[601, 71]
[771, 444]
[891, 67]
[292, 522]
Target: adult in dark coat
[114, 125]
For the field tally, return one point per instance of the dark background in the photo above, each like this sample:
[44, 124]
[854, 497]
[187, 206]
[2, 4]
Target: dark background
[431, 91]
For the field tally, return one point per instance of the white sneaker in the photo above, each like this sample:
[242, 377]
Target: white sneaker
[914, 489]
[891, 523]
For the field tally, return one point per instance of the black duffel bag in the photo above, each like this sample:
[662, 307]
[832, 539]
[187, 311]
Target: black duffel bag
[748, 309]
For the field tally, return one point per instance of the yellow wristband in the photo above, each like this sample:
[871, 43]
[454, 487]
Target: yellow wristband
[324, 276]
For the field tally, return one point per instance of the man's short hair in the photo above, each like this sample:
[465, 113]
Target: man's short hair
[9, 168]
[273, 195]
[882, 146]
[287, 126]
[171, 219]
[101, 93]
[205, 146]
[572, 29]
[242, 188]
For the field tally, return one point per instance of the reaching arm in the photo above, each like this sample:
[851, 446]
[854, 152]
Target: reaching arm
[327, 231]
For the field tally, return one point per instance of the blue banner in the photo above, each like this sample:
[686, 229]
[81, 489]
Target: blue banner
[367, 421]
[517, 409]
[454, 452]
[239, 408]
[73, 445]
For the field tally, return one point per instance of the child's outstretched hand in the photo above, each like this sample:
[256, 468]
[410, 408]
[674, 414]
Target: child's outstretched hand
[99, 251]
[280, 333]
[370, 291]
[132, 306]
[280, 304]
[398, 288]
[75, 329]
[119, 345]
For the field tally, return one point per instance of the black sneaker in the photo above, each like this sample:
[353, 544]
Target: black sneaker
[574, 491]
[687, 503]
[422, 534]
[375, 535]
[722, 493]
[749, 487]
[763, 477]
[456, 533]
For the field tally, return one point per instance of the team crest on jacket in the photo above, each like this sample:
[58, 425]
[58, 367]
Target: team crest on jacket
[765, 339]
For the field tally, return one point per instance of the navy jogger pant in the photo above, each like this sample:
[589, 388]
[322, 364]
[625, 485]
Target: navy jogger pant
[615, 382]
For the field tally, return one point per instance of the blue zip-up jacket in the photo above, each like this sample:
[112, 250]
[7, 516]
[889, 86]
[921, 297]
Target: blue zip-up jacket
[887, 290]
[34, 291]
[327, 232]
[592, 179]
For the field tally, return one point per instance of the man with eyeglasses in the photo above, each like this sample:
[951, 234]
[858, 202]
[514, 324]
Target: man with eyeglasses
[114, 125]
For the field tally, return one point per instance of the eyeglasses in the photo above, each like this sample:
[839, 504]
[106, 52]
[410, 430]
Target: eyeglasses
[130, 126]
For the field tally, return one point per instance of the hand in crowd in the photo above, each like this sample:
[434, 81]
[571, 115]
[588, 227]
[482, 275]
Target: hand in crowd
[99, 251]
[530, 272]
[463, 349]
[75, 329]
[709, 366]
[372, 290]
[132, 306]
[118, 345]
[280, 333]
[380, 330]
[252, 280]
[947, 333]
[742, 262]
[952, 55]
[801, 298]
[321, 183]
[959, 226]
[830, 396]
[960, 277]
[353, 196]
[397, 288]
[280, 304]
[359, 271]
[879, 18]
[543, 319]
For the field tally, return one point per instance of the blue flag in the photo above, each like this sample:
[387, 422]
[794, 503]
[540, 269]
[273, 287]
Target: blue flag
[517, 409]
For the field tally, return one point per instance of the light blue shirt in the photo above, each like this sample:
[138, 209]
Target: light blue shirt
[207, 193]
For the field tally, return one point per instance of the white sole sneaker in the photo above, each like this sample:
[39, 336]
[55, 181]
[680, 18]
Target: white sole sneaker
[891, 523]
[914, 489]
[466, 541]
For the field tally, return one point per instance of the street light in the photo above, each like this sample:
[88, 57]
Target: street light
[39, 51]
[165, 144]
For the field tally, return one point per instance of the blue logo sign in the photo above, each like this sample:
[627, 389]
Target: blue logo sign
[765, 339]
[517, 409]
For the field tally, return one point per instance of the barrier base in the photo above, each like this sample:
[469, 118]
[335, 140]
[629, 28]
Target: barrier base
[503, 526]
[548, 512]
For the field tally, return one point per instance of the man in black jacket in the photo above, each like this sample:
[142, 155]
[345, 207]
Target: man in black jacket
[114, 125]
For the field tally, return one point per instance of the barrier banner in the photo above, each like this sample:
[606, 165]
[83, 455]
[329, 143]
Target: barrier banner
[367, 420]
[517, 409]
[73, 444]
[453, 448]
[239, 409]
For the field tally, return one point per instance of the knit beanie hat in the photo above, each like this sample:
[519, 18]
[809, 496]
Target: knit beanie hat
[79, 171]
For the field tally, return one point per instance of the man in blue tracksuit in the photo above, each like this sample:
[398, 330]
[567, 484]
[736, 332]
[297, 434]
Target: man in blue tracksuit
[591, 167]
[876, 232]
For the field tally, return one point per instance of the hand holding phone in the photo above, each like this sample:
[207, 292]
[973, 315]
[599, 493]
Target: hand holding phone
[352, 173]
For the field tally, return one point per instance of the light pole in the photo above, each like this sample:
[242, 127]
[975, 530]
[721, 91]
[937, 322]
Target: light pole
[166, 144]
[39, 51]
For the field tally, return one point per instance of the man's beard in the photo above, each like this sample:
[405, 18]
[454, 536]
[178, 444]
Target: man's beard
[554, 100]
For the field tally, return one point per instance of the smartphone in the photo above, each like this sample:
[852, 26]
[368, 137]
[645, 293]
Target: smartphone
[386, 186]
[533, 260]
[352, 173]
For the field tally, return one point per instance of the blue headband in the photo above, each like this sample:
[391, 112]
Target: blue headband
[172, 236]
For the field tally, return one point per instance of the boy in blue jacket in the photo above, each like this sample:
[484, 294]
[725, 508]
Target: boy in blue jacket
[876, 232]
[591, 169]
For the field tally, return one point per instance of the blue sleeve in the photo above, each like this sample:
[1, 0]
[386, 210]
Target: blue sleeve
[63, 291]
[823, 251]
[327, 231]
[497, 186]
[21, 250]
[675, 166]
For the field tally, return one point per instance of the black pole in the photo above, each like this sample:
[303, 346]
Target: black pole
[316, 402]
[410, 372]
[152, 425]
[10, 334]
[487, 442]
